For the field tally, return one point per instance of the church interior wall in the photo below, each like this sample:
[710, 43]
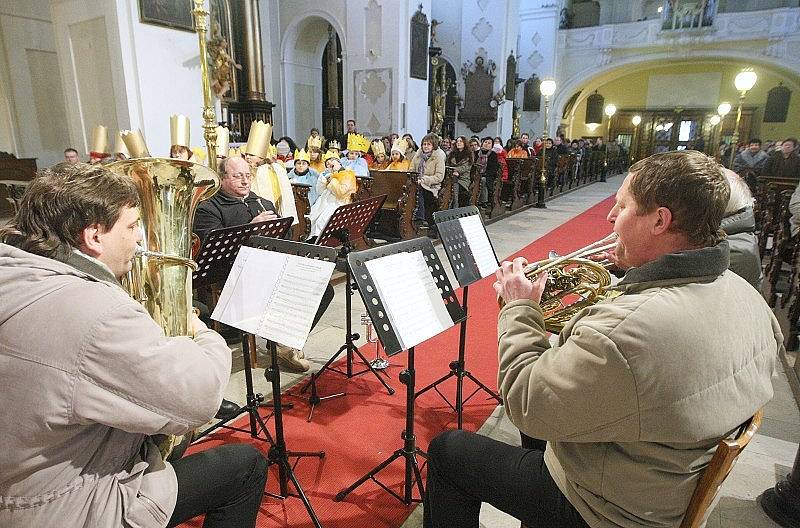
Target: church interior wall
[538, 32]
[164, 65]
[712, 82]
[31, 96]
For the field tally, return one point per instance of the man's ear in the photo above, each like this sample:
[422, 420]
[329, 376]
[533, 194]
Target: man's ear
[663, 221]
[90, 240]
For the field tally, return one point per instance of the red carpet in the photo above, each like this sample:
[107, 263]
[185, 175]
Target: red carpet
[362, 429]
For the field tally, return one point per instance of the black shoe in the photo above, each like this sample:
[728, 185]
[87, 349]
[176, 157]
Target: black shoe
[226, 409]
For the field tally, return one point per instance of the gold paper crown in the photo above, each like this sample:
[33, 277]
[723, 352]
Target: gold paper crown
[272, 152]
[378, 147]
[334, 144]
[400, 145]
[329, 154]
[179, 131]
[357, 142]
[258, 141]
[315, 141]
[135, 142]
[233, 152]
[119, 146]
[223, 140]
[302, 155]
[99, 142]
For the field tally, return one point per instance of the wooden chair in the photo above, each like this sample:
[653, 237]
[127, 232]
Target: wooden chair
[717, 471]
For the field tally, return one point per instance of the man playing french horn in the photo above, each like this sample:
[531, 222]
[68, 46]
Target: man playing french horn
[631, 402]
[88, 375]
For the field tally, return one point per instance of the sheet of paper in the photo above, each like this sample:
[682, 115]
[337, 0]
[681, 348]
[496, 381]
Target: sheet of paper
[295, 301]
[412, 300]
[479, 244]
[273, 295]
[249, 287]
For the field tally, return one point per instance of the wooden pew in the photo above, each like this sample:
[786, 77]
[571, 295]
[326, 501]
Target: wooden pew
[445, 197]
[15, 174]
[520, 172]
[363, 188]
[302, 230]
[474, 185]
[396, 217]
[496, 207]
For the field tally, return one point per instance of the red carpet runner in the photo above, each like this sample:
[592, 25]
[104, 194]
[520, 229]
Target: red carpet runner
[360, 430]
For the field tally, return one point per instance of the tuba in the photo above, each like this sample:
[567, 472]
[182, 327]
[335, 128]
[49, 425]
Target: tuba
[574, 282]
[161, 275]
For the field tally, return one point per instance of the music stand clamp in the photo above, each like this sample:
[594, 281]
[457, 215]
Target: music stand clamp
[392, 346]
[462, 262]
[347, 225]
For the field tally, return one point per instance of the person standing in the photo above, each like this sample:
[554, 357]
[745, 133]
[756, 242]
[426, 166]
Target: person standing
[429, 163]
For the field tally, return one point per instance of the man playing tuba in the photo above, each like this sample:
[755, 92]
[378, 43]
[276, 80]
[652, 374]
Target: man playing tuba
[92, 384]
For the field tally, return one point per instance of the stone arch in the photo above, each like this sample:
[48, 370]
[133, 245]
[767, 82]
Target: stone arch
[302, 46]
[588, 79]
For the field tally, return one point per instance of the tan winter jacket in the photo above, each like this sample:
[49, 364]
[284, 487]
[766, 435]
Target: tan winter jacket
[641, 388]
[87, 376]
[433, 173]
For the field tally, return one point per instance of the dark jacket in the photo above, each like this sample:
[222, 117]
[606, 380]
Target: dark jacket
[222, 210]
[740, 227]
[780, 167]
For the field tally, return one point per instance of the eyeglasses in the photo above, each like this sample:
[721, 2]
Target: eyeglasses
[244, 176]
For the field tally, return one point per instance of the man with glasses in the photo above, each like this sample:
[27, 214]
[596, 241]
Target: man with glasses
[234, 204]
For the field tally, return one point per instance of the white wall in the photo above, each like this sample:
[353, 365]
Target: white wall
[149, 73]
[538, 32]
[32, 106]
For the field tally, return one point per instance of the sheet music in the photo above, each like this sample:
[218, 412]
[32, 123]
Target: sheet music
[412, 300]
[479, 243]
[273, 295]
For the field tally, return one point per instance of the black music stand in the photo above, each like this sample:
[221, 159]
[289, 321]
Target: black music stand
[391, 345]
[278, 454]
[214, 261]
[462, 261]
[347, 225]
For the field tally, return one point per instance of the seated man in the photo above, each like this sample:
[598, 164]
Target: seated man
[235, 204]
[632, 402]
[92, 377]
[739, 224]
[752, 158]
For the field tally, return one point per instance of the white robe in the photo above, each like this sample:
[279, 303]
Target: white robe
[262, 186]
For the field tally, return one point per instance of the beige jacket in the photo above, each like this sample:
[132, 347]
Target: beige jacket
[87, 376]
[434, 170]
[641, 388]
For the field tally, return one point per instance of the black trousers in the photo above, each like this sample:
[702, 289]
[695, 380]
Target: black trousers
[226, 483]
[466, 469]
[431, 205]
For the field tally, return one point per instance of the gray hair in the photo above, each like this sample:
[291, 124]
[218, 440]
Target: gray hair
[741, 196]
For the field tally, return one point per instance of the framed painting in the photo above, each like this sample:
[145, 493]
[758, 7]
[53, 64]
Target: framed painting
[176, 14]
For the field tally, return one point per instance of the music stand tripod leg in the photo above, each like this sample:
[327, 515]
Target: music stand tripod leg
[408, 452]
[457, 370]
[278, 453]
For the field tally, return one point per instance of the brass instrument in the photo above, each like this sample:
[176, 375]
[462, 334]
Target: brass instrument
[574, 282]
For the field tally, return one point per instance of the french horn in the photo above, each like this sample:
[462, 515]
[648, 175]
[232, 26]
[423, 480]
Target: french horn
[574, 282]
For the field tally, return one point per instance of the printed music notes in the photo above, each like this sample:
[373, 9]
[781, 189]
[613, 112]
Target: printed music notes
[412, 300]
[273, 295]
[478, 241]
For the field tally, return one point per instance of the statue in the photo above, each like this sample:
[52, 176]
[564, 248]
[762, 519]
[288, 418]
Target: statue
[221, 63]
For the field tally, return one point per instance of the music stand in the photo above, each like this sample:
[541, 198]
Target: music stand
[392, 346]
[462, 261]
[347, 224]
[214, 261]
[278, 454]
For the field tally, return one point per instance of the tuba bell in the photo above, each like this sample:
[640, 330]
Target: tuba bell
[161, 275]
[574, 282]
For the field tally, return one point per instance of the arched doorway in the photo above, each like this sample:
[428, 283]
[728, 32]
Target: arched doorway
[675, 99]
[312, 71]
[332, 97]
